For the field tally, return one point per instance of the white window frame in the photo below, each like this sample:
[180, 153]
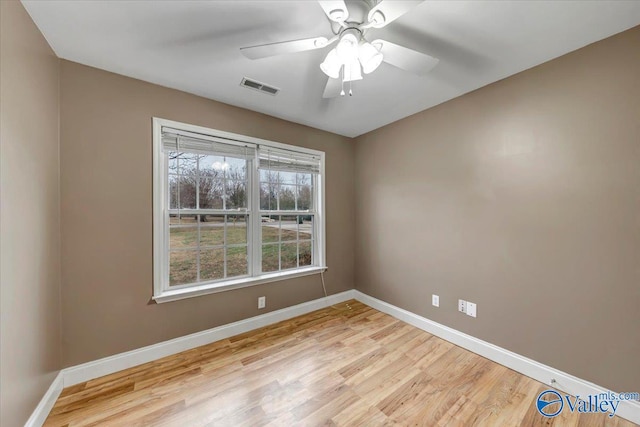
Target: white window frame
[162, 292]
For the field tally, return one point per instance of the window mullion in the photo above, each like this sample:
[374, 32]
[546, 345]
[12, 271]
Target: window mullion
[224, 247]
[279, 238]
[197, 217]
[319, 193]
[166, 231]
[255, 254]
[198, 182]
[316, 257]
[198, 231]
[298, 240]
[224, 187]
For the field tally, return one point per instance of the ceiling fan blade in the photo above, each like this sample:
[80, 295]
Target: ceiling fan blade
[391, 10]
[405, 58]
[333, 88]
[281, 48]
[336, 10]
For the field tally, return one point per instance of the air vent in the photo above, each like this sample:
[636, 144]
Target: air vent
[255, 85]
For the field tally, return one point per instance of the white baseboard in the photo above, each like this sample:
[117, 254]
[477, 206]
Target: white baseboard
[564, 382]
[108, 365]
[567, 383]
[41, 412]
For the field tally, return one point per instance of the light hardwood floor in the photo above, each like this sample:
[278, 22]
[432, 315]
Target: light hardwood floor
[351, 366]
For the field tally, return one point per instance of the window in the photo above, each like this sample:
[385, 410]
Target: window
[232, 211]
[286, 209]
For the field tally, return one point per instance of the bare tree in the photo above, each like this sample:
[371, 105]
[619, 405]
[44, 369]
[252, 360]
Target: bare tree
[236, 190]
[269, 188]
[216, 188]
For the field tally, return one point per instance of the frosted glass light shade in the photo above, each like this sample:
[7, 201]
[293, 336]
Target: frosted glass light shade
[352, 71]
[347, 48]
[370, 57]
[331, 65]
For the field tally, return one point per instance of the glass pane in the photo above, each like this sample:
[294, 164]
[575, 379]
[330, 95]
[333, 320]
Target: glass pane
[236, 194]
[210, 193]
[183, 219]
[211, 219]
[304, 179]
[187, 189]
[289, 254]
[237, 261]
[187, 163]
[212, 230]
[304, 197]
[211, 264]
[305, 227]
[287, 177]
[270, 258]
[173, 192]
[183, 237]
[305, 255]
[236, 229]
[270, 229]
[268, 196]
[287, 197]
[212, 166]
[172, 157]
[237, 169]
[183, 267]
[269, 176]
[289, 228]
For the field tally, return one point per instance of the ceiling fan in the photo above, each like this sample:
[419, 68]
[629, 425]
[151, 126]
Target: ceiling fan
[354, 54]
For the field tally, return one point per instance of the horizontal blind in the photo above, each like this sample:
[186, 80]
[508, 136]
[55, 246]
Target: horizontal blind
[181, 141]
[288, 161]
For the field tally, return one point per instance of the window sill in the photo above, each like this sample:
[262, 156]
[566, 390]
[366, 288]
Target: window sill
[178, 294]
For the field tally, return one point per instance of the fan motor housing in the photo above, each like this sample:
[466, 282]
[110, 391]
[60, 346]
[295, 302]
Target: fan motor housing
[358, 11]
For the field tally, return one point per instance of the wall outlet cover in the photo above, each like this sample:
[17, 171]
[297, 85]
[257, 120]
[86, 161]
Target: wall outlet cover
[262, 302]
[471, 309]
[462, 306]
[435, 300]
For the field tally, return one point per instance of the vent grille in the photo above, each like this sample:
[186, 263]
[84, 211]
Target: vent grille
[261, 87]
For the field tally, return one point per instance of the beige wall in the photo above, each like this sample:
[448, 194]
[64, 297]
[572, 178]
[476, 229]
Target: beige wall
[524, 198]
[107, 262]
[29, 216]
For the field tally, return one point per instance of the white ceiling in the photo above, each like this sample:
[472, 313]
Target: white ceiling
[194, 46]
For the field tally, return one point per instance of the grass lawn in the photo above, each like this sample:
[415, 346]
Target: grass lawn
[183, 266]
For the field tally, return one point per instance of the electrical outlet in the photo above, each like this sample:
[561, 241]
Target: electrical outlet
[435, 300]
[471, 309]
[462, 306]
[262, 302]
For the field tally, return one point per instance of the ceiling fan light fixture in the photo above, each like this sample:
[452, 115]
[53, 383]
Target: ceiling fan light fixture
[352, 71]
[370, 57]
[347, 48]
[332, 64]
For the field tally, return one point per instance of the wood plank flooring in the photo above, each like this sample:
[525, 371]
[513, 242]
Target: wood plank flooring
[350, 366]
